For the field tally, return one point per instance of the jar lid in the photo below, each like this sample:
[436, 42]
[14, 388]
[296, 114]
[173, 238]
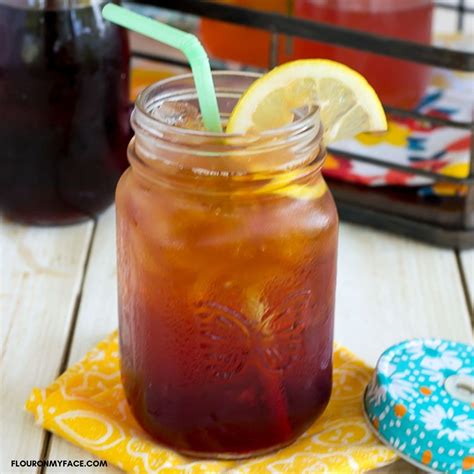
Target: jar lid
[420, 402]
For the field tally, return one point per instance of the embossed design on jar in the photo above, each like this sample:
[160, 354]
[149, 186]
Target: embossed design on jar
[229, 339]
[225, 339]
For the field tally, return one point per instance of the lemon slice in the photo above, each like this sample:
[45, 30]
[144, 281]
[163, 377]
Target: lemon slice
[283, 185]
[348, 103]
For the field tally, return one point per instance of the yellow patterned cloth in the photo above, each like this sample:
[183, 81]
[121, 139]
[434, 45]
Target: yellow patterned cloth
[87, 406]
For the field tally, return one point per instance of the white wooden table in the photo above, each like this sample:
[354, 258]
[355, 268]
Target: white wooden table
[58, 299]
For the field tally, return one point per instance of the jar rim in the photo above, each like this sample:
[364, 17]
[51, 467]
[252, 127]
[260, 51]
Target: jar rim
[157, 142]
[308, 119]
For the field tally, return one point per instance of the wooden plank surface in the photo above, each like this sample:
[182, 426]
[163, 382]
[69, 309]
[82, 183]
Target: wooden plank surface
[96, 319]
[391, 288]
[467, 262]
[41, 276]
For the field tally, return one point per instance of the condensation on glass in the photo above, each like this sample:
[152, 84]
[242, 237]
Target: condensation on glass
[226, 270]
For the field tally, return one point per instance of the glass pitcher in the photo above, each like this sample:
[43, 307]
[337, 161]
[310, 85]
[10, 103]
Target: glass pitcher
[246, 45]
[398, 83]
[64, 74]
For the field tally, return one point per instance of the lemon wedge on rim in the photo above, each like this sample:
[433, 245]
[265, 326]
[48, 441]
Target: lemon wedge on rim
[348, 103]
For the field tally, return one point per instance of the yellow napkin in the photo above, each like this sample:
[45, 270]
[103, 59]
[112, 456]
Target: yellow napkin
[87, 406]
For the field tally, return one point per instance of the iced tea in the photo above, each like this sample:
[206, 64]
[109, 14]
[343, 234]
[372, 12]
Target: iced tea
[226, 280]
[64, 110]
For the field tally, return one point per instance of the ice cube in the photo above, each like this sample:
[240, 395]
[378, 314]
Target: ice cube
[179, 114]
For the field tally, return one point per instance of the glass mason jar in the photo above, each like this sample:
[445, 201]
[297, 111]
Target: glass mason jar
[64, 109]
[226, 271]
[398, 83]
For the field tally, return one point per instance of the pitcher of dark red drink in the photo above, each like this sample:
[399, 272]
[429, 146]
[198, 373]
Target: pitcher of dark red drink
[243, 44]
[64, 109]
[398, 83]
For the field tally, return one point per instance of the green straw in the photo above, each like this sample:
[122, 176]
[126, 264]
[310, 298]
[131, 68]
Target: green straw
[185, 42]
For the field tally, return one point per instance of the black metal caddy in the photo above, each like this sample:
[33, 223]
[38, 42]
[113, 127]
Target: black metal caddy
[442, 221]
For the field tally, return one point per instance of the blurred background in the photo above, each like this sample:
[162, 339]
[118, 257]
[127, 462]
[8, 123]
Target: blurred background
[66, 89]
[416, 179]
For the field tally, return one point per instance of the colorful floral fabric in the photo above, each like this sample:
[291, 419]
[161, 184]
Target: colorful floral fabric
[417, 144]
[86, 406]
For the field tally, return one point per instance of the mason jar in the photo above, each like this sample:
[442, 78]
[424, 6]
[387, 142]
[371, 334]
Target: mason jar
[64, 124]
[226, 270]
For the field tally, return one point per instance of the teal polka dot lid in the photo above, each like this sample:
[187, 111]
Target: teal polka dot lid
[420, 401]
